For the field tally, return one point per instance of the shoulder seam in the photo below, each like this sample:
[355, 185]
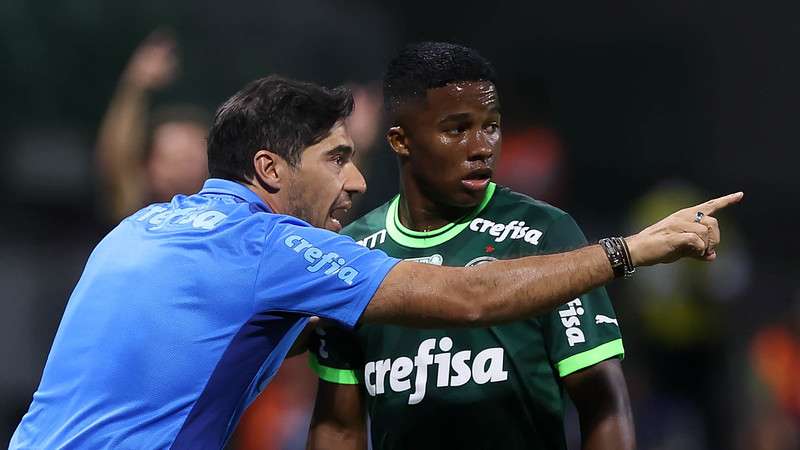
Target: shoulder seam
[531, 203]
[550, 225]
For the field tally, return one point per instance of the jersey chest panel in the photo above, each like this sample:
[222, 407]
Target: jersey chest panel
[496, 368]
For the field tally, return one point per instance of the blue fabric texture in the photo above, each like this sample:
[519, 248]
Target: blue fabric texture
[182, 316]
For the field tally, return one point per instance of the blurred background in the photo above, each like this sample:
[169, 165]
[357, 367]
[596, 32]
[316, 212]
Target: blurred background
[617, 112]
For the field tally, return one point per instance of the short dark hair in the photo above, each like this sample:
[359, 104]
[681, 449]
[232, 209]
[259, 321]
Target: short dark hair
[429, 65]
[274, 113]
[183, 113]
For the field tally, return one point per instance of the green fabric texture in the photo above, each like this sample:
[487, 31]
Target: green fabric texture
[462, 388]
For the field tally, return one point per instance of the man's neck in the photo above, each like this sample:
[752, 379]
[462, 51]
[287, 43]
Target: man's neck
[418, 211]
[269, 199]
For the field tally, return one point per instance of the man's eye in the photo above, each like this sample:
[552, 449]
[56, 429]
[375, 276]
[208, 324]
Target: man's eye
[339, 160]
[455, 131]
[493, 127]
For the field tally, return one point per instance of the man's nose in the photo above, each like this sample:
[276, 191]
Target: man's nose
[354, 181]
[481, 149]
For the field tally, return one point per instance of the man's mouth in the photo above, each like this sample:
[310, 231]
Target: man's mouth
[478, 179]
[337, 214]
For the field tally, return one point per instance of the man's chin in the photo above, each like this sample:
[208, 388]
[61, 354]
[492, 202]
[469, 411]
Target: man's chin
[470, 198]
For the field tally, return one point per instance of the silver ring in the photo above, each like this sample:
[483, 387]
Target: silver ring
[699, 216]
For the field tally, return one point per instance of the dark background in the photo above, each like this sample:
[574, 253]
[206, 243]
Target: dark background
[642, 95]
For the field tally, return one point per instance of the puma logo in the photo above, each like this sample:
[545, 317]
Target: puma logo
[598, 319]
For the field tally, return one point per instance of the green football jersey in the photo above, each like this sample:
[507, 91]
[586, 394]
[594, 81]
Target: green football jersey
[460, 388]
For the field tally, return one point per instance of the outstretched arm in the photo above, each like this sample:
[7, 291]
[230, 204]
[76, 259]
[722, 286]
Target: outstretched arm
[121, 140]
[339, 421]
[601, 398]
[415, 294]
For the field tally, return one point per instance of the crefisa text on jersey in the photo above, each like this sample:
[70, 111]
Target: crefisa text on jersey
[162, 216]
[571, 319]
[452, 369]
[513, 230]
[319, 259]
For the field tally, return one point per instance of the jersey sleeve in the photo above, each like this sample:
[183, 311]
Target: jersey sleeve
[316, 272]
[335, 356]
[584, 331]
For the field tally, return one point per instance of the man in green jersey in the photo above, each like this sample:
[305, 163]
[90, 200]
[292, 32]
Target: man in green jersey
[500, 387]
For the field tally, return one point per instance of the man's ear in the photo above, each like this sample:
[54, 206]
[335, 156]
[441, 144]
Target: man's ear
[270, 169]
[398, 140]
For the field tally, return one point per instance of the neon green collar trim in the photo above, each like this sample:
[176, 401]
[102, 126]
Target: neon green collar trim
[427, 239]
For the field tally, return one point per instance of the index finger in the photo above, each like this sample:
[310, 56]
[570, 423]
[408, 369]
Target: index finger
[714, 205]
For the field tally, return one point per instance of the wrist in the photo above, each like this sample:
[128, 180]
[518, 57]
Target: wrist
[635, 250]
[619, 256]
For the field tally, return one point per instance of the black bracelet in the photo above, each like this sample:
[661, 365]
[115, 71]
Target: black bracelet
[618, 255]
[614, 257]
[629, 267]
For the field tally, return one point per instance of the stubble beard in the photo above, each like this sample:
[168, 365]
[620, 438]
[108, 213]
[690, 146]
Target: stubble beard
[297, 206]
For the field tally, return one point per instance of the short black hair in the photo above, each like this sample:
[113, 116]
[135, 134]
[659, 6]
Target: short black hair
[183, 113]
[274, 113]
[429, 65]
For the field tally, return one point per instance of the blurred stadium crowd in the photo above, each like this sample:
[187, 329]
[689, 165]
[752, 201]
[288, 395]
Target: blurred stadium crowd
[617, 113]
